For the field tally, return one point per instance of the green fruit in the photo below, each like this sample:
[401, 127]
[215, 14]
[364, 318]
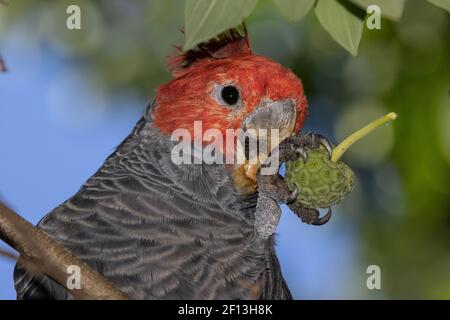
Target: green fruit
[321, 182]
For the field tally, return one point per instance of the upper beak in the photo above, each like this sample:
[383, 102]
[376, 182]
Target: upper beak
[280, 115]
[271, 115]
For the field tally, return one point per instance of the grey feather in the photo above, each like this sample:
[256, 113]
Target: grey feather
[161, 231]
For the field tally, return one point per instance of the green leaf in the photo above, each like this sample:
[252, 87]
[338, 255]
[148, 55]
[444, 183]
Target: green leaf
[391, 9]
[344, 26]
[294, 10]
[444, 4]
[205, 19]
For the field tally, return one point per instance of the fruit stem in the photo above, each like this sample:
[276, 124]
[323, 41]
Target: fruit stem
[357, 135]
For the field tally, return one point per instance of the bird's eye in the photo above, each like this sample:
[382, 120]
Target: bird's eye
[230, 95]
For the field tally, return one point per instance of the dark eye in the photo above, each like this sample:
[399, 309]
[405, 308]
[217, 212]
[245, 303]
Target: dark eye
[230, 95]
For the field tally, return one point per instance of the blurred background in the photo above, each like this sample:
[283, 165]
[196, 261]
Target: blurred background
[70, 97]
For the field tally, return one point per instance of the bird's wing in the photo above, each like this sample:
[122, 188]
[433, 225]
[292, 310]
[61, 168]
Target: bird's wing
[158, 230]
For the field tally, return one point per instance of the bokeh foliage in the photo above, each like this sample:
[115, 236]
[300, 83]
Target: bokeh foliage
[402, 202]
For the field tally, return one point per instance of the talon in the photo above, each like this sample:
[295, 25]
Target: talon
[315, 140]
[326, 144]
[309, 136]
[308, 215]
[288, 149]
[302, 153]
[321, 221]
[293, 196]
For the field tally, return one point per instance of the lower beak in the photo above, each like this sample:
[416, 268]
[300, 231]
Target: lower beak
[271, 115]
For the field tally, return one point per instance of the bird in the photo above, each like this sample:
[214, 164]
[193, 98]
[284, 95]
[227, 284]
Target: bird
[164, 230]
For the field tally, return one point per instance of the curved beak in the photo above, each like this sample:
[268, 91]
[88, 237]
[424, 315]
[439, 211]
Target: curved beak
[279, 119]
[279, 115]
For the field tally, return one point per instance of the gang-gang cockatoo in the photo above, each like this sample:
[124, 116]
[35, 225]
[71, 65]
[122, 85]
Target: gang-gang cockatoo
[161, 230]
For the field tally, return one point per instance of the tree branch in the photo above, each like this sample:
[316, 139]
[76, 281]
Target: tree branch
[50, 258]
[7, 254]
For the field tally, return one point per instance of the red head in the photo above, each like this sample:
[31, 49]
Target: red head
[221, 83]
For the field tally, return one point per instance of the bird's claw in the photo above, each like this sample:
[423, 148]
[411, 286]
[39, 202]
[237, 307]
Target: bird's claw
[276, 188]
[273, 189]
[312, 140]
[302, 153]
[310, 216]
[293, 196]
[296, 146]
[290, 149]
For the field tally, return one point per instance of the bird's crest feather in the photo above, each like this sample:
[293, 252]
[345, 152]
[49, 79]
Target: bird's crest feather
[231, 43]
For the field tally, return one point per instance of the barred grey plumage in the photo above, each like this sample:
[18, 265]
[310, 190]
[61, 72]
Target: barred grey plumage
[162, 231]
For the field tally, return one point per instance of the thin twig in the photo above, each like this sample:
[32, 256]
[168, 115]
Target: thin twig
[37, 248]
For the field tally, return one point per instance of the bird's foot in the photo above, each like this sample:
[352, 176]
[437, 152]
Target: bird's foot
[291, 148]
[310, 216]
[315, 140]
[273, 189]
[307, 141]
